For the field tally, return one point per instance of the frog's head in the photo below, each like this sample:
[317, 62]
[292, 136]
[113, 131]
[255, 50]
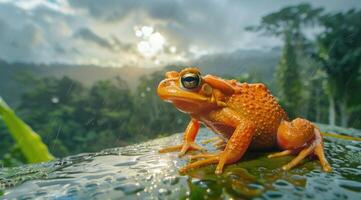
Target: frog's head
[186, 90]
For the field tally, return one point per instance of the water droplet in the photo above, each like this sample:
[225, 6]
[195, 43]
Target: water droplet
[120, 178]
[172, 180]
[127, 163]
[350, 185]
[73, 190]
[282, 184]
[129, 188]
[163, 191]
[256, 186]
[274, 194]
[149, 178]
[91, 185]
[55, 100]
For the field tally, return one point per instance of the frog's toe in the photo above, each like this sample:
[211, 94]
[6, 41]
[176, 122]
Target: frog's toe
[202, 155]
[210, 140]
[210, 160]
[220, 144]
[280, 154]
[183, 148]
[171, 149]
[302, 155]
[189, 146]
[321, 156]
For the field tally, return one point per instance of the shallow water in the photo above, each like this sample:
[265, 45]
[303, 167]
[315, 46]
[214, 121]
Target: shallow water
[139, 172]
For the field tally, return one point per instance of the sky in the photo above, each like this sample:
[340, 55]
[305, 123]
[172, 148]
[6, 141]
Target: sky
[135, 33]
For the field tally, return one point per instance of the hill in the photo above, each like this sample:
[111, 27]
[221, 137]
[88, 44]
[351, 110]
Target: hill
[260, 64]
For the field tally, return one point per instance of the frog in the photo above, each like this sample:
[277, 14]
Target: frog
[245, 116]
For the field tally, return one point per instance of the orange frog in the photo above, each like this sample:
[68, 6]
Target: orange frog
[245, 116]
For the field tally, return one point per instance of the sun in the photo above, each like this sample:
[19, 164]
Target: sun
[152, 42]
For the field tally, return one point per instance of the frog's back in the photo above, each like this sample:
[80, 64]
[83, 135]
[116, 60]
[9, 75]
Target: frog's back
[256, 103]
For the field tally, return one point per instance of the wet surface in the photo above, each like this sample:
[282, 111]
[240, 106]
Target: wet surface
[139, 172]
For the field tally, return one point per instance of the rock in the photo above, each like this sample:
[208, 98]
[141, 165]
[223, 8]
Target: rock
[140, 172]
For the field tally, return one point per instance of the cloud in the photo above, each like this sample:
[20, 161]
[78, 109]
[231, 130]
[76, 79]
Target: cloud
[103, 32]
[87, 34]
[204, 23]
[112, 44]
[36, 35]
[15, 45]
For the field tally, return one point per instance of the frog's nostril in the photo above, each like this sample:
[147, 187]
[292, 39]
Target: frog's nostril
[165, 83]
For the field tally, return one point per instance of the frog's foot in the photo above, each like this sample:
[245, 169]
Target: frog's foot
[221, 158]
[303, 137]
[183, 148]
[302, 155]
[314, 148]
[209, 159]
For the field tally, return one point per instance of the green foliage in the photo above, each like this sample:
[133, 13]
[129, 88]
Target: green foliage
[72, 118]
[29, 142]
[288, 78]
[287, 23]
[291, 18]
[339, 50]
[302, 73]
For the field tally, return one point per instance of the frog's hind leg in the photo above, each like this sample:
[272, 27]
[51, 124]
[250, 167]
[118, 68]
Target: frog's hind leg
[301, 136]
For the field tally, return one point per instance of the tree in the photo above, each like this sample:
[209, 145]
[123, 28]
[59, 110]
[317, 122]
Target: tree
[288, 24]
[288, 78]
[106, 113]
[339, 50]
[49, 108]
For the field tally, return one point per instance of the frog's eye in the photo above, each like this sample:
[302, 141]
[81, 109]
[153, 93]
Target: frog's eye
[190, 80]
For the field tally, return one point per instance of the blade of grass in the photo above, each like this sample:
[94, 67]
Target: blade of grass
[339, 136]
[30, 143]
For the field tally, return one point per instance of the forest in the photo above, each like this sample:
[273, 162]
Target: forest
[318, 77]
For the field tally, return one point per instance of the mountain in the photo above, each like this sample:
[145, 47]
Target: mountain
[260, 64]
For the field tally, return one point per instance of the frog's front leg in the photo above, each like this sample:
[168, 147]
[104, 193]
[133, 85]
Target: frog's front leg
[188, 140]
[236, 145]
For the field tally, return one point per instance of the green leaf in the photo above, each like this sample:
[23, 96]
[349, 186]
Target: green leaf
[30, 143]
